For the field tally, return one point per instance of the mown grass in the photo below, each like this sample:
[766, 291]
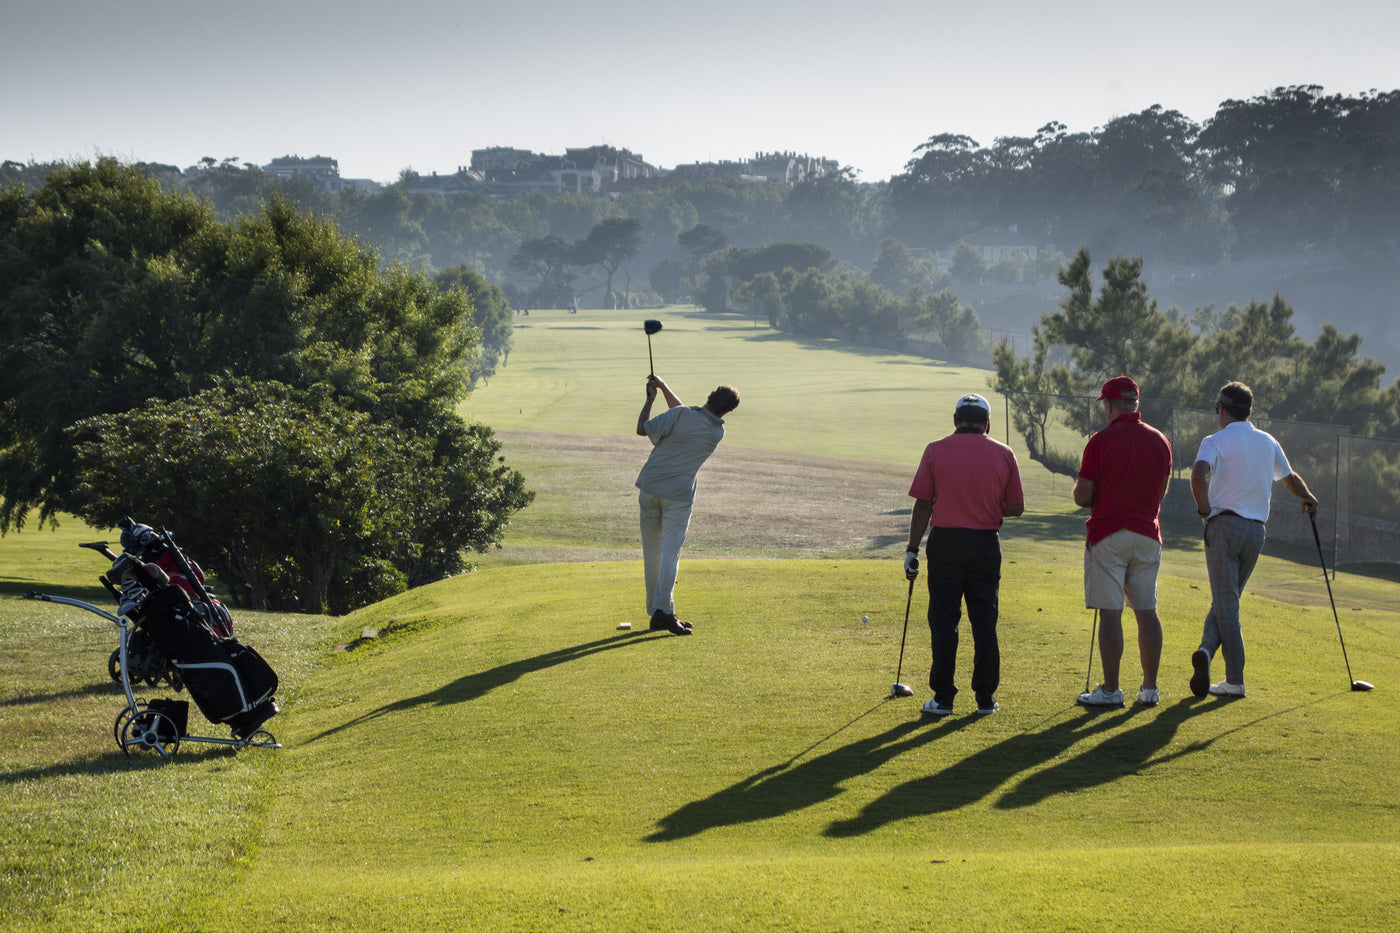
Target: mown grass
[503, 757]
[586, 373]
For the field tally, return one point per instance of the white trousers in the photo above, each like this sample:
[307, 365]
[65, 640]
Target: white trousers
[664, 524]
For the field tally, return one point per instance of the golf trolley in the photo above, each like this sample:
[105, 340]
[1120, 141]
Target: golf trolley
[166, 637]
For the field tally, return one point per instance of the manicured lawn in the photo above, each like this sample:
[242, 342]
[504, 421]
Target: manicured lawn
[503, 757]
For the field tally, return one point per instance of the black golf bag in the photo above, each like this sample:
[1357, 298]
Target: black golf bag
[229, 681]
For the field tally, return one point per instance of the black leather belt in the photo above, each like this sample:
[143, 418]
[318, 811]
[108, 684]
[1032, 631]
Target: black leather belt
[1231, 512]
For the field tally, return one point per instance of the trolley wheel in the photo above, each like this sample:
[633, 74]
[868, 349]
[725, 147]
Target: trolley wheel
[262, 738]
[150, 731]
[125, 715]
[114, 665]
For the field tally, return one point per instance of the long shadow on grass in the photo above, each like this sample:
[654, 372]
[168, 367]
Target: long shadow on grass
[976, 776]
[114, 762]
[98, 689]
[1048, 527]
[470, 687]
[783, 788]
[1127, 753]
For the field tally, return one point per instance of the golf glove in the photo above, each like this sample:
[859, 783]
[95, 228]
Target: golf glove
[911, 565]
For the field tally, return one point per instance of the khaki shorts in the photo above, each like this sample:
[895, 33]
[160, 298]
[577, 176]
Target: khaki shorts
[1124, 564]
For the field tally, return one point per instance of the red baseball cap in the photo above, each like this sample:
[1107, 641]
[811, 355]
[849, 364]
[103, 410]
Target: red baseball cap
[1120, 387]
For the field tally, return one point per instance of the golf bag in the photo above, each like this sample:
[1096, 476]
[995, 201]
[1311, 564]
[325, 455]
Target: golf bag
[159, 548]
[229, 681]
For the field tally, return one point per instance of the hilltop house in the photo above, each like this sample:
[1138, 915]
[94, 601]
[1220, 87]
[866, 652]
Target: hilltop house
[993, 243]
[321, 171]
[778, 168]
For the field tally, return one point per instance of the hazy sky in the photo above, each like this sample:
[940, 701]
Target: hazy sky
[386, 85]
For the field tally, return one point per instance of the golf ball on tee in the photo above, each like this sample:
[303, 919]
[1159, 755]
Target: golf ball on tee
[865, 619]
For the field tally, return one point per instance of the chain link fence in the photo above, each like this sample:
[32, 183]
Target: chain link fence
[1312, 453]
[1051, 430]
[1367, 494]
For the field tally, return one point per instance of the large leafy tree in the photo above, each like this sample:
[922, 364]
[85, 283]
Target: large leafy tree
[297, 502]
[492, 320]
[548, 261]
[117, 294]
[608, 246]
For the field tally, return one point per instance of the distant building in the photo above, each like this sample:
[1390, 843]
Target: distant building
[440, 186]
[778, 168]
[500, 159]
[506, 171]
[614, 165]
[589, 170]
[993, 243]
[789, 168]
[318, 169]
[321, 171]
[700, 171]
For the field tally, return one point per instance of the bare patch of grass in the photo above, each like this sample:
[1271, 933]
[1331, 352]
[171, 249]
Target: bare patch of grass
[749, 502]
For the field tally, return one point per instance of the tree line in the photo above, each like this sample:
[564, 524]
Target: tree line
[1292, 170]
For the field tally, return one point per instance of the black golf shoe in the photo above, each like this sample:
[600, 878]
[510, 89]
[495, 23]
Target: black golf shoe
[1200, 672]
[667, 622]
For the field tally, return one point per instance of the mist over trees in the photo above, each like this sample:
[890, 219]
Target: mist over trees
[1121, 330]
[1293, 192]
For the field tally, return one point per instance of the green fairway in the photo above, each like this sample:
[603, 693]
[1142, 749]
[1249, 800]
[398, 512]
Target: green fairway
[586, 373]
[501, 756]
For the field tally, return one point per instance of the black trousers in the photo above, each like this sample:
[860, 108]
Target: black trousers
[963, 564]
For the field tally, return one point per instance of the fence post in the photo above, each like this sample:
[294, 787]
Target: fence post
[1337, 506]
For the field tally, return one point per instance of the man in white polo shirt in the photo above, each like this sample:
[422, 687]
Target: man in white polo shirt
[682, 438]
[1231, 480]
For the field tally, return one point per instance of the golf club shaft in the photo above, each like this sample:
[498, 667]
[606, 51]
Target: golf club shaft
[1093, 634]
[899, 671]
[1323, 561]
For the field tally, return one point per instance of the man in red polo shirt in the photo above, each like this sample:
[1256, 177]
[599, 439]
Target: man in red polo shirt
[1123, 479]
[965, 485]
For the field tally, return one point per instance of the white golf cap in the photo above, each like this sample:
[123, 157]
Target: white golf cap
[972, 400]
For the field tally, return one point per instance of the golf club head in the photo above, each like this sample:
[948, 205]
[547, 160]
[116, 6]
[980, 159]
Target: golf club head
[1362, 686]
[651, 326]
[901, 690]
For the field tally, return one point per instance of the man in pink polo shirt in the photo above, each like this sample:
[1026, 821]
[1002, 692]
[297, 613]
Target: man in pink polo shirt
[966, 483]
[1123, 479]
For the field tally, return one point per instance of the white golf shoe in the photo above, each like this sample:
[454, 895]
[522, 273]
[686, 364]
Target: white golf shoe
[1098, 697]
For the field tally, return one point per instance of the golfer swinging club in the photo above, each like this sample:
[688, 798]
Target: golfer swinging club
[682, 439]
[966, 483]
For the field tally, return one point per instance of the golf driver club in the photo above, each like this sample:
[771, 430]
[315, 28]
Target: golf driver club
[1093, 634]
[651, 326]
[899, 689]
[1355, 685]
